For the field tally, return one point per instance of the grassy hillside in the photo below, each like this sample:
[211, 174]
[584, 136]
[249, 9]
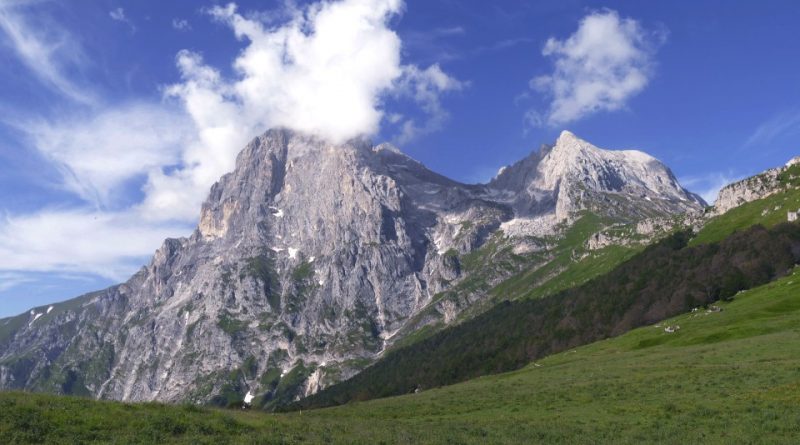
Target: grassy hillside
[724, 377]
[665, 279]
[768, 212]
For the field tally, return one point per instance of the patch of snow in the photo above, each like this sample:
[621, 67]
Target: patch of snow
[35, 317]
[248, 398]
[501, 170]
[321, 282]
[278, 213]
[293, 252]
[283, 372]
[311, 260]
[49, 309]
[277, 249]
[648, 198]
[186, 316]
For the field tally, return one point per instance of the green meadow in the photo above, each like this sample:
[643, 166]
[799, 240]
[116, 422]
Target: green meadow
[731, 376]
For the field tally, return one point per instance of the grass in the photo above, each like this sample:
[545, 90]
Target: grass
[767, 211]
[725, 377]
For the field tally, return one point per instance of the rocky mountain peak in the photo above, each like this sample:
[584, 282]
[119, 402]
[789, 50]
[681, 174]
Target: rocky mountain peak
[309, 255]
[573, 175]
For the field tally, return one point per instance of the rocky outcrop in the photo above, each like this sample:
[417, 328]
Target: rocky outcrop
[749, 189]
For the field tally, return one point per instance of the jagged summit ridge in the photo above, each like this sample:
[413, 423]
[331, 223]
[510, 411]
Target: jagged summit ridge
[573, 174]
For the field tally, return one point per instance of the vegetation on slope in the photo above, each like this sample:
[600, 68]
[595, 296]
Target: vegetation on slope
[767, 211]
[665, 279]
[724, 377]
[495, 273]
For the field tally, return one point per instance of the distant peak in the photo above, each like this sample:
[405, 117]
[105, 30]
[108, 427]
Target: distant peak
[567, 141]
[566, 134]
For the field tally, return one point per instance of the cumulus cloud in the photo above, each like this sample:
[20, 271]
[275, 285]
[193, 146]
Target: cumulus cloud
[608, 60]
[329, 68]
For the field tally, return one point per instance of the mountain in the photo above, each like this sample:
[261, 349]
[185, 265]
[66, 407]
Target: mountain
[310, 260]
[573, 175]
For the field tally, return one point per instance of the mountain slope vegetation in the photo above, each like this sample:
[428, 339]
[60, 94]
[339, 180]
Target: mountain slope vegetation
[724, 377]
[665, 279]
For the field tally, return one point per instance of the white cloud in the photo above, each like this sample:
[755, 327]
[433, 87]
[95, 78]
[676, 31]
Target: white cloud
[118, 15]
[98, 152]
[181, 24]
[322, 72]
[111, 245]
[425, 87]
[607, 61]
[781, 125]
[46, 49]
[13, 279]
[327, 68]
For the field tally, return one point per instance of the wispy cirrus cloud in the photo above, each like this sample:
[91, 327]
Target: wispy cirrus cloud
[108, 244]
[709, 185]
[608, 60]
[98, 151]
[46, 49]
[782, 125]
[118, 15]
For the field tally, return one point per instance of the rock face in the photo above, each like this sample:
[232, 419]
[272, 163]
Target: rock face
[749, 189]
[553, 184]
[308, 258]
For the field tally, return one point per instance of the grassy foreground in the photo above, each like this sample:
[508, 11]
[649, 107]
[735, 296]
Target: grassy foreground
[724, 377]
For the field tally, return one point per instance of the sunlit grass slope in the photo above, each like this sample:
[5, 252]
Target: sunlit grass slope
[767, 211]
[724, 377]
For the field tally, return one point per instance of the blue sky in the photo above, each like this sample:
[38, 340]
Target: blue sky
[115, 116]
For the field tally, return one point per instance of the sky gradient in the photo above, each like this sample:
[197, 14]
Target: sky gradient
[116, 116]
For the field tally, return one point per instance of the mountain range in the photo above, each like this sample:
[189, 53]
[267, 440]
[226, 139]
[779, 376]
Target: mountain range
[311, 260]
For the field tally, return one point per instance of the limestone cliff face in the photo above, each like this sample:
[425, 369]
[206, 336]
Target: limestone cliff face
[749, 189]
[306, 253]
[553, 184]
[307, 261]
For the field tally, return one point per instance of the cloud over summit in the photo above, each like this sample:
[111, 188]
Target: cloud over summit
[330, 68]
